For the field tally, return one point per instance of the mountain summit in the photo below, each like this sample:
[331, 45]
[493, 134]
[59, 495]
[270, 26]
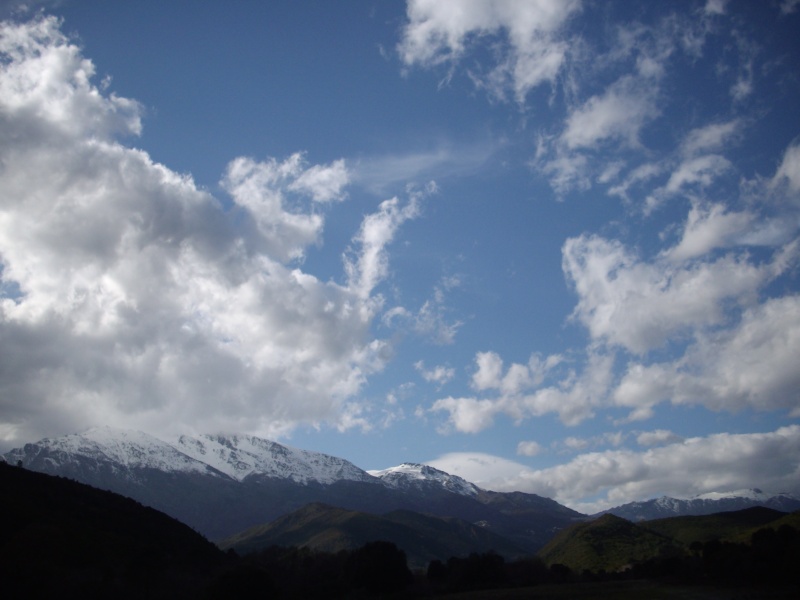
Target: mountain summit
[412, 475]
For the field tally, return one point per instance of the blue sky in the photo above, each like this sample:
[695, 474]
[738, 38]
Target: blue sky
[548, 245]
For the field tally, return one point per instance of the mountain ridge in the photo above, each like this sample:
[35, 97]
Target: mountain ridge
[703, 504]
[224, 484]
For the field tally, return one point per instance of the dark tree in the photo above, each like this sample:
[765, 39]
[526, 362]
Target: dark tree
[379, 567]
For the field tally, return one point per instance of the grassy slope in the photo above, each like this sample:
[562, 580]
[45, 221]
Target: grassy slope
[608, 543]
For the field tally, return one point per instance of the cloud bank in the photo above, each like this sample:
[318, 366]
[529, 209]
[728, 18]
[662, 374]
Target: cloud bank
[595, 481]
[132, 297]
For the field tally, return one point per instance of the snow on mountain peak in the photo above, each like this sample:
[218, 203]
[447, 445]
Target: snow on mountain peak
[234, 456]
[123, 447]
[240, 456]
[751, 494]
[410, 474]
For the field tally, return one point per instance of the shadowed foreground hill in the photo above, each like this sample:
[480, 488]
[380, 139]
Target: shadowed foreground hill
[735, 525]
[755, 545]
[325, 528]
[68, 539]
[609, 543]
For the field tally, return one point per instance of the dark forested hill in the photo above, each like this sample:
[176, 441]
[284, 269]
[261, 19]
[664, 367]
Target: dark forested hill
[66, 539]
[329, 529]
[608, 543]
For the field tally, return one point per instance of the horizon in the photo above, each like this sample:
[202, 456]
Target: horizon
[548, 246]
[743, 492]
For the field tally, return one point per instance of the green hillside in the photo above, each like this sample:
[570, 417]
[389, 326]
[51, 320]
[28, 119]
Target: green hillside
[719, 526]
[609, 543]
[325, 528]
[789, 520]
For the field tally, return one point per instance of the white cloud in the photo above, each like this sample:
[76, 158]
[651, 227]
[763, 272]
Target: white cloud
[715, 7]
[636, 177]
[371, 263]
[711, 138]
[324, 183]
[640, 306]
[576, 397]
[518, 377]
[573, 398]
[566, 171]
[576, 443]
[749, 366]
[598, 480]
[131, 297]
[45, 74]
[440, 32]
[485, 470]
[438, 374]
[467, 415]
[702, 171]
[489, 372]
[262, 187]
[692, 175]
[709, 227]
[617, 114]
[529, 448]
[789, 170]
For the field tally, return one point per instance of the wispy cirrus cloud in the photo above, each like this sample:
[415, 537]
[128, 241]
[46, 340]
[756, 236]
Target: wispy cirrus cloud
[382, 173]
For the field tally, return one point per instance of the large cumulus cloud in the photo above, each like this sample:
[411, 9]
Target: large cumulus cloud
[129, 296]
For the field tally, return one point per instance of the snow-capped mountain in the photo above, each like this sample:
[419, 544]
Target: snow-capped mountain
[411, 475]
[107, 447]
[704, 504]
[223, 484]
[240, 456]
[235, 456]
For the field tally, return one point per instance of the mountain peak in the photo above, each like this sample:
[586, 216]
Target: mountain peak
[416, 475]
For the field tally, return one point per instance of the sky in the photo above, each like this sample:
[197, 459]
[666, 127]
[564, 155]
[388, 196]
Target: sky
[547, 245]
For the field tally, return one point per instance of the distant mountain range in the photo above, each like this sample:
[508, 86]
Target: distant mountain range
[223, 485]
[706, 504]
